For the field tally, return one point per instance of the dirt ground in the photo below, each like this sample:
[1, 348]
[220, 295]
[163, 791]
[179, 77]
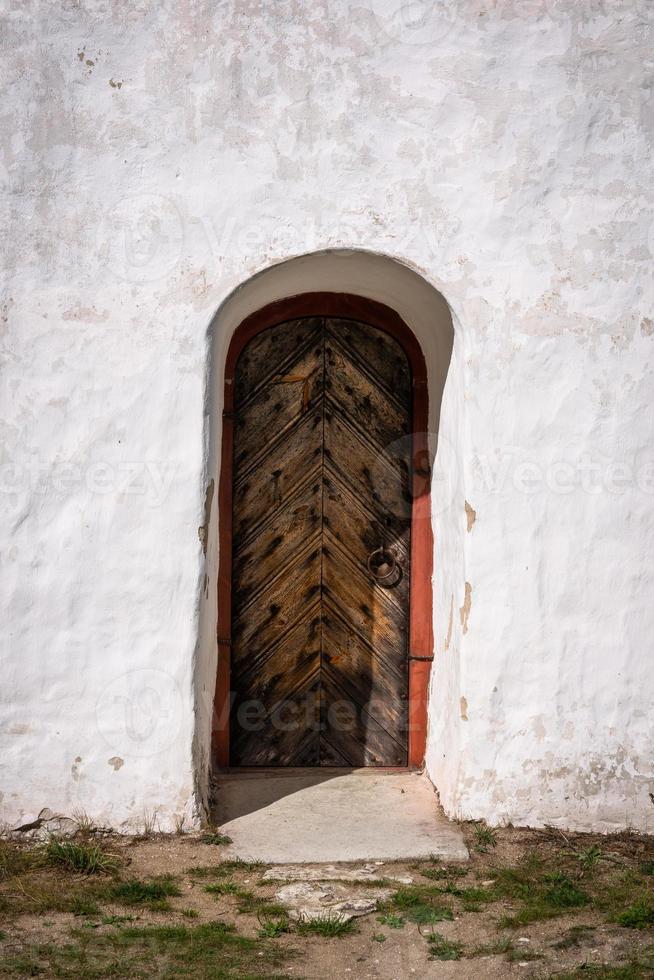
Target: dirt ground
[529, 904]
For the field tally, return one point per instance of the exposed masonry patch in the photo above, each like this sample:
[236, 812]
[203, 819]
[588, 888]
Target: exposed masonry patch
[463, 705]
[203, 530]
[471, 515]
[464, 611]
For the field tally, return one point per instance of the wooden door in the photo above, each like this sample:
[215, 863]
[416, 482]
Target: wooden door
[321, 535]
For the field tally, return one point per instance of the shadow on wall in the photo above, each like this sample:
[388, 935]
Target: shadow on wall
[371, 276]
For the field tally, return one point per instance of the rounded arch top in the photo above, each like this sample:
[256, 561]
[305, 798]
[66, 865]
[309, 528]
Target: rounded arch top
[354, 273]
[343, 306]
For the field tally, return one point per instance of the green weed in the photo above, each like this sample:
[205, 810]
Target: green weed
[153, 894]
[216, 838]
[84, 858]
[441, 948]
[638, 916]
[485, 838]
[81, 905]
[223, 888]
[392, 921]
[502, 946]
[271, 927]
[420, 904]
[589, 858]
[328, 926]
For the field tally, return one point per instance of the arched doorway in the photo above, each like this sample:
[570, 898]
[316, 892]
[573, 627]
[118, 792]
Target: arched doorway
[324, 599]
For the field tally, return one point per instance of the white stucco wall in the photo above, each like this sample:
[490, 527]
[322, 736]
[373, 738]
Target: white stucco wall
[154, 157]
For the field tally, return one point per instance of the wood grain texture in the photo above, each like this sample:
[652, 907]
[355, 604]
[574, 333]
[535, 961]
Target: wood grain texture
[321, 479]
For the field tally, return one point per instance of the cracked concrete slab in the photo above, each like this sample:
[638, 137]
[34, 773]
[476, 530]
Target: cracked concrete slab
[297, 816]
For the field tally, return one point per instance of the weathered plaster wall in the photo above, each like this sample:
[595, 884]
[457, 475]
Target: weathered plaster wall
[154, 157]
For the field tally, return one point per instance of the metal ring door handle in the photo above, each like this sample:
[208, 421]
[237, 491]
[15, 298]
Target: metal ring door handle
[382, 565]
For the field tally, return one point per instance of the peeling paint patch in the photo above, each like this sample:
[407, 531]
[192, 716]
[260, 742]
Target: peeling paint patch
[203, 530]
[450, 623]
[75, 768]
[464, 611]
[19, 729]
[647, 326]
[116, 762]
[85, 314]
[115, 84]
[464, 709]
[539, 729]
[471, 515]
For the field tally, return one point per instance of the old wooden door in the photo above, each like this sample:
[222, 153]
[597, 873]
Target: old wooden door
[321, 528]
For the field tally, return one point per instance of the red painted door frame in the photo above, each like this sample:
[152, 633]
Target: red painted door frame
[421, 638]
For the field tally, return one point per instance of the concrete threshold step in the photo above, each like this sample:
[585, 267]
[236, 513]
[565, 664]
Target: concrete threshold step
[317, 816]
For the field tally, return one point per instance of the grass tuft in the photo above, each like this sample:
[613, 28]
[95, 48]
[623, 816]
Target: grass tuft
[216, 838]
[485, 838]
[153, 894]
[638, 916]
[589, 858]
[328, 926]
[422, 904]
[80, 905]
[81, 857]
[273, 926]
[223, 888]
[501, 947]
[391, 920]
[441, 948]
[562, 893]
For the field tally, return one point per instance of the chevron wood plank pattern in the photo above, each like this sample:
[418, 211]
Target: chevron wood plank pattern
[321, 545]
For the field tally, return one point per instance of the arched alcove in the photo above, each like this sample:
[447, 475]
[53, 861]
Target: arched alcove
[414, 303]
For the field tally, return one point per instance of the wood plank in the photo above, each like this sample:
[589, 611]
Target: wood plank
[354, 735]
[359, 532]
[364, 403]
[381, 482]
[283, 399]
[295, 522]
[278, 607]
[265, 490]
[269, 352]
[365, 677]
[378, 350]
[279, 736]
